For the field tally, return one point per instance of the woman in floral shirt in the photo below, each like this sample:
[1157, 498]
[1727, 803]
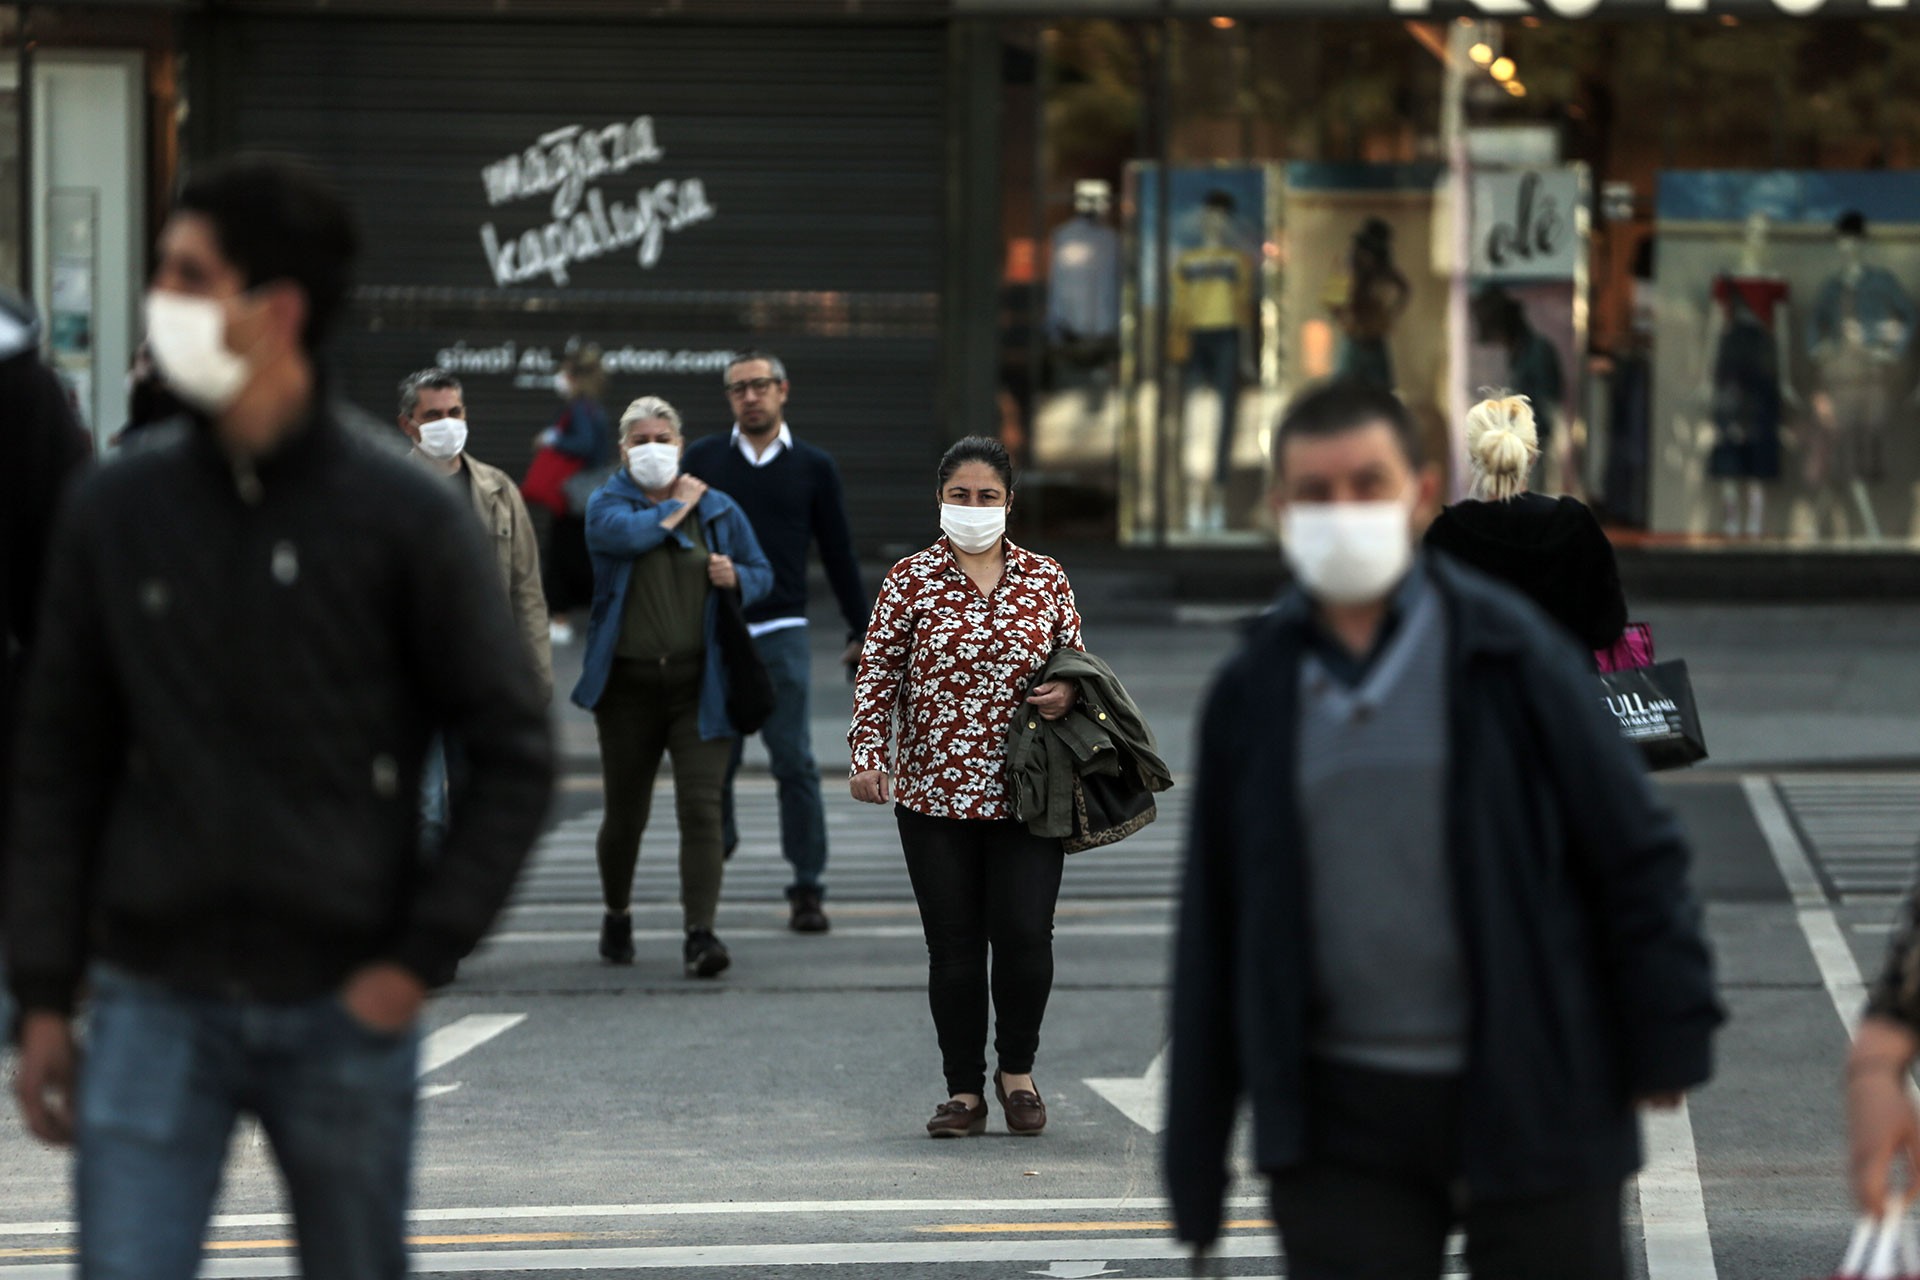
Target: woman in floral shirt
[958, 635]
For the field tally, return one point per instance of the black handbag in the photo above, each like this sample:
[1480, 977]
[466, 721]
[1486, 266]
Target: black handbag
[1655, 710]
[749, 687]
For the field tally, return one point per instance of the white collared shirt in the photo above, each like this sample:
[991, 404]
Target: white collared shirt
[781, 444]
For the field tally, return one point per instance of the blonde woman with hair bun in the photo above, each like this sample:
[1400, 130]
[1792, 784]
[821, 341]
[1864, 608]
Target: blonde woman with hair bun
[1551, 550]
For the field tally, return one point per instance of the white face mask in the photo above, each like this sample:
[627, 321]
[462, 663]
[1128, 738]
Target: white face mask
[443, 438]
[653, 466]
[1347, 553]
[562, 387]
[188, 338]
[973, 529]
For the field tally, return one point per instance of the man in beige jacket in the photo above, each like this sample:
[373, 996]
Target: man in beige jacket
[433, 414]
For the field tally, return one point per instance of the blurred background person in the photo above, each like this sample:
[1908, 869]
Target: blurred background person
[1552, 550]
[584, 439]
[663, 546]
[150, 401]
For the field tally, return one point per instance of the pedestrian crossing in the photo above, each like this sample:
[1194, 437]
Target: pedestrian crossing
[864, 861]
[1861, 830]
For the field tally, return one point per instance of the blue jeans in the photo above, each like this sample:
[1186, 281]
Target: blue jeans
[164, 1077]
[1215, 362]
[788, 735]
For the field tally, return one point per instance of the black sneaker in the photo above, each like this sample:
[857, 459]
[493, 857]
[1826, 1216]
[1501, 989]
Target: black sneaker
[706, 955]
[807, 917]
[616, 939]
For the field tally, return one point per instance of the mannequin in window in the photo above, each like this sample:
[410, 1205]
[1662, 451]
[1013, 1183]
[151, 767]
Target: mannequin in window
[1368, 304]
[1749, 343]
[1533, 371]
[1862, 327]
[1211, 331]
[1083, 293]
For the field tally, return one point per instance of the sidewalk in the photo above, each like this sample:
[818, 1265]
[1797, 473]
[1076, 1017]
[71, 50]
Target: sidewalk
[1779, 686]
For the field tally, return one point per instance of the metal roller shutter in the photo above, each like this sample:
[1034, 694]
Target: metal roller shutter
[784, 191]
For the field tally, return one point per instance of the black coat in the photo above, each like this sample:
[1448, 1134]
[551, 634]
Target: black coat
[227, 713]
[41, 449]
[1590, 979]
[1551, 550]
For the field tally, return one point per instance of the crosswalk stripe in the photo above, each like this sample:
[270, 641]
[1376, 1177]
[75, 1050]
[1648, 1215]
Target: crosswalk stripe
[864, 865]
[1861, 832]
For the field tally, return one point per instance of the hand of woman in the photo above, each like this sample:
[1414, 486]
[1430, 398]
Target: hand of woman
[872, 787]
[1882, 1125]
[1054, 698]
[688, 489]
[720, 571]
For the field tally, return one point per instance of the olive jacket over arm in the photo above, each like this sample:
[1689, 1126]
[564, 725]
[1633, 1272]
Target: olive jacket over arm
[1589, 978]
[1051, 764]
[239, 674]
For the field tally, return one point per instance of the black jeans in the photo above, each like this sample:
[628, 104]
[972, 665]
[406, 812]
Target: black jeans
[1379, 1194]
[984, 885]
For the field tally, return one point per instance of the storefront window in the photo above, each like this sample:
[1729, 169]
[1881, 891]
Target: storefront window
[1711, 303]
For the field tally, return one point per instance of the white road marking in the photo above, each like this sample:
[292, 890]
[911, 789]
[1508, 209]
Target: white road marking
[1140, 1099]
[1839, 973]
[666, 1257]
[526, 937]
[1673, 1210]
[461, 1037]
[702, 1209]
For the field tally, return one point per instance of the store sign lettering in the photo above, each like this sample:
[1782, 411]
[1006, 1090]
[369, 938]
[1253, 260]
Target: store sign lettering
[1535, 232]
[531, 366]
[1524, 224]
[585, 223]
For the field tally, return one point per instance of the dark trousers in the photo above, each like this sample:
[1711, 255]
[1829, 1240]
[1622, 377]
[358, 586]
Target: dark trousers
[1379, 1194]
[788, 735]
[650, 710]
[166, 1075]
[984, 886]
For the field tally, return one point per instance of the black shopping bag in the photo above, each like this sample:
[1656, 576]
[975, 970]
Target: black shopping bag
[1655, 711]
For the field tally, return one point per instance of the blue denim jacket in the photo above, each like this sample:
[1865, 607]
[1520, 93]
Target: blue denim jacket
[1877, 298]
[623, 524]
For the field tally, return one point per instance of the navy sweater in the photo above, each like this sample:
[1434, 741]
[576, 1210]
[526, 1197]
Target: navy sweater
[792, 501]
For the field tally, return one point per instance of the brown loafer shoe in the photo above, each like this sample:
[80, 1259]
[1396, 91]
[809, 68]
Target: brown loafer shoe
[957, 1120]
[1026, 1113]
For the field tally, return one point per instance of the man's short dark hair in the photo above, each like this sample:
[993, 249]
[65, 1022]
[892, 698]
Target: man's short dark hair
[276, 218]
[433, 379]
[1335, 408]
[1220, 198]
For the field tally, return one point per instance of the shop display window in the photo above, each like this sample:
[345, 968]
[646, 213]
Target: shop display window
[1720, 349]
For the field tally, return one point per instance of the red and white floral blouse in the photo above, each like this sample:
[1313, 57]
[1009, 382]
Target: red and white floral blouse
[949, 667]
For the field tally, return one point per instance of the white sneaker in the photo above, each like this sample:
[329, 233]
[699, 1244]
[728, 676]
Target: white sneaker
[561, 633]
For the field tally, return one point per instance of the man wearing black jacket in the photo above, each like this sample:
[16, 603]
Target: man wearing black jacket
[1444, 1008]
[791, 494]
[251, 634]
[41, 448]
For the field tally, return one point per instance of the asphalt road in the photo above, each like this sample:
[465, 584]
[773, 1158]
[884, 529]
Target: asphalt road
[592, 1120]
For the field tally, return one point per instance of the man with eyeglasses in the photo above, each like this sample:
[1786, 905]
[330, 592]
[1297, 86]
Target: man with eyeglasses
[792, 495]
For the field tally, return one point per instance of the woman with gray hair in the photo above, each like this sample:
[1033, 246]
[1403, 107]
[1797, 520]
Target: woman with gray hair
[663, 546]
[1551, 550]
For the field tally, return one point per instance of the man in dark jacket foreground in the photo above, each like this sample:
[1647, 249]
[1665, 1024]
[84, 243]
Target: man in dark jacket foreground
[1434, 922]
[251, 634]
